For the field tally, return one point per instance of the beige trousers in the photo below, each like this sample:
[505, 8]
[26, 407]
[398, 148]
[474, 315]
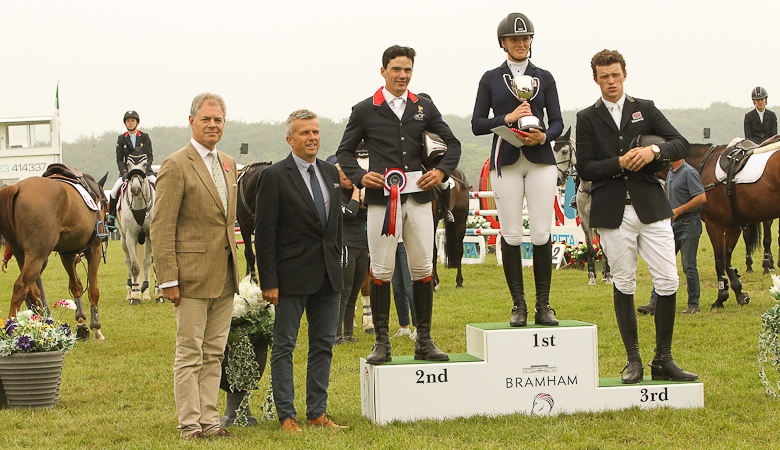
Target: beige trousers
[202, 326]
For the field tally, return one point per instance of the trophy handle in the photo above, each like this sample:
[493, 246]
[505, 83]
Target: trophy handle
[509, 82]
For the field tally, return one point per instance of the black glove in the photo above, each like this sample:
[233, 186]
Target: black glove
[124, 175]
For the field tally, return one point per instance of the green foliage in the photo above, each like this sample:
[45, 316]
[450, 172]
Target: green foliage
[118, 393]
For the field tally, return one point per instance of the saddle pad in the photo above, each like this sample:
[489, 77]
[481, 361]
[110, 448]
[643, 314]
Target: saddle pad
[752, 171]
[84, 194]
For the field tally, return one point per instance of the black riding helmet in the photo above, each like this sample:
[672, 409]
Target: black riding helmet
[131, 115]
[515, 24]
[759, 93]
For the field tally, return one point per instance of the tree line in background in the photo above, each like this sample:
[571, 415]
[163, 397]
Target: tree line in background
[96, 155]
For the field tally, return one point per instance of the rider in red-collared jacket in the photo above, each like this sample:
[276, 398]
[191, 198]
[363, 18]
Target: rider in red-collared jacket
[132, 140]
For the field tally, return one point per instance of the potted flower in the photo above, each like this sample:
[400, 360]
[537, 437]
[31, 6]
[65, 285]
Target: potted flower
[32, 349]
[769, 339]
[251, 334]
[577, 255]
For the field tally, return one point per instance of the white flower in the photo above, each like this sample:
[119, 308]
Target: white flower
[68, 303]
[775, 289]
[239, 306]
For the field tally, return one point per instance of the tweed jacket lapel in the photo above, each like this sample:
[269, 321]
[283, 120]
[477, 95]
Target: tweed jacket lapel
[205, 177]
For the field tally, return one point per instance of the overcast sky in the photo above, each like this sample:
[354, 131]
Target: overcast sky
[269, 58]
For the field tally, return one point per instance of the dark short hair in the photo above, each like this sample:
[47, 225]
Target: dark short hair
[607, 58]
[396, 51]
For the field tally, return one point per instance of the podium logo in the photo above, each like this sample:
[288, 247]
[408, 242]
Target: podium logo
[541, 381]
[543, 405]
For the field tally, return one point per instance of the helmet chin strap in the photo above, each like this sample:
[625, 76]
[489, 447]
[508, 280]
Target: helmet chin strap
[530, 51]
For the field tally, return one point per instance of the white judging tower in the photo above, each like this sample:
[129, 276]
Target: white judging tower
[532, 370]
[27, 146]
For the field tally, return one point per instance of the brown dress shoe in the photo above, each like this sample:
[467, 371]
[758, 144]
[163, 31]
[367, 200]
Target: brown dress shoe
[222, 433]
[292, 426]
[325, 421]
[197, 436]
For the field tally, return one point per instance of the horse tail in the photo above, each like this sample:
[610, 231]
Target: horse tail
[752, 237]
[7, 199]
[451, 245]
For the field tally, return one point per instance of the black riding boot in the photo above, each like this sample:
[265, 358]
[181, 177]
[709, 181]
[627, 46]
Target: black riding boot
[422, 298]
[380, 310]
[111, 216]
[626, 320]
[513, 271]
[663, 366]
[545, 314]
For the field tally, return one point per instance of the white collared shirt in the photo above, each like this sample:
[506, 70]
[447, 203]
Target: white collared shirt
[615, 109]
[398, 105]
[303, 167]
[204, 153]
[517, 68]
[761, 115]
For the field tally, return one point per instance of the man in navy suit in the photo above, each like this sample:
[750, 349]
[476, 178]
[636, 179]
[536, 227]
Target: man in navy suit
[392, 123]
[298, 246]
[629, 207]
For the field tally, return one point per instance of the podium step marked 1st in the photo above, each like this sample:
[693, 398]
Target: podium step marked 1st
[533, 370]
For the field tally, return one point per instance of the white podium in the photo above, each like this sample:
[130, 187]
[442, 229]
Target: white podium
[532, 370]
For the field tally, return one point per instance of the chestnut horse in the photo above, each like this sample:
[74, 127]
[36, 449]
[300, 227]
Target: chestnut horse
[41, 215]
[757, 202]
[454, 232]
[245, 210]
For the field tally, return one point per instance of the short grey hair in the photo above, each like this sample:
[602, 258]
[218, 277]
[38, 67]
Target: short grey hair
[198, 101]
[301, 114]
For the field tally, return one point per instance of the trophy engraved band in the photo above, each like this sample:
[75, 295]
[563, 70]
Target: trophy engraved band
[524, 88]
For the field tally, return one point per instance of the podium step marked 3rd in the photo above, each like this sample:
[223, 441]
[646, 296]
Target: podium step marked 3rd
[532, 370]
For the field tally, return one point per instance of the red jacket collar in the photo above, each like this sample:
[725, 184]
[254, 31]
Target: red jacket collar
[379, 98]
[138, 132]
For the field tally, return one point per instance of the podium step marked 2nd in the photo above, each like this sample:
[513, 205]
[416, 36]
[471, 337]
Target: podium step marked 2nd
[532, 370]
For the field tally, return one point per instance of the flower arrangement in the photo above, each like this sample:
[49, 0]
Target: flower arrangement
[252, 322]
[477, 222]
[578, 254]
[35, 330]
[768, 342]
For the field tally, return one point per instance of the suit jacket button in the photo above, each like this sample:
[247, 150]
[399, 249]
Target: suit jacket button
[621, 138]
[318, 224]
[404, 153]
[625, 177]
[402, 138]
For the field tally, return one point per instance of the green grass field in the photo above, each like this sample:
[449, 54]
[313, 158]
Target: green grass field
[118, 393]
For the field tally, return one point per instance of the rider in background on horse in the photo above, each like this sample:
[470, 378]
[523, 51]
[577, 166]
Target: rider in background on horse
[132, 140]
[760, 123]
[529, 171]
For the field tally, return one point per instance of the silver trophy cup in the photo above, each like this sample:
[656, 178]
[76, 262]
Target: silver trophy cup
[524, 88]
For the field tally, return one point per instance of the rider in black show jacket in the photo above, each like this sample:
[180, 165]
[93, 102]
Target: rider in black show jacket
[124, 146]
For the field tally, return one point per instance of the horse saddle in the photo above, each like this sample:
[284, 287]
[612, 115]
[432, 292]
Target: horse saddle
[736, 156]
[655, 166]
[68, 172]
[434, 149]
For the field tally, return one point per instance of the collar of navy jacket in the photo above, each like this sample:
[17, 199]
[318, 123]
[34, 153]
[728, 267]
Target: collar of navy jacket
[300, 186]
[628, 108]
[379, 101]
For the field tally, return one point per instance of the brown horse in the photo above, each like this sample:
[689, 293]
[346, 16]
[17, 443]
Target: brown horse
[41, 215]
[454, 232]
[757, 202]
[245, 210]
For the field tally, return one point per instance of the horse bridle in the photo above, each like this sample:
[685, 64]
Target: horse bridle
[558, 164]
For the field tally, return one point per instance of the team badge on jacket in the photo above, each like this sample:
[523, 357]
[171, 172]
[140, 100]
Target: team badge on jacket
[637, 117]
[420, 114]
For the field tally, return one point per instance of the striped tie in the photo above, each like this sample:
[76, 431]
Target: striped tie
[218, 179]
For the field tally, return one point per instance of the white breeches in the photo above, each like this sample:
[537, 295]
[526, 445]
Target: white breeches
[654, 242]
[540, 181]
[417, 229]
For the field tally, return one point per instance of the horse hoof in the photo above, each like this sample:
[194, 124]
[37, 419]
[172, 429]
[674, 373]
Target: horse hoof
[716, 305]
[99, 336]
[743, 299]
[592, 281]
[82, 332]
[135, 301]
[749, 270]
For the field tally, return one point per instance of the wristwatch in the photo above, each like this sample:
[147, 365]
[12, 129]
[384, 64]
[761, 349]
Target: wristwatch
[656, 151]
[544, 139]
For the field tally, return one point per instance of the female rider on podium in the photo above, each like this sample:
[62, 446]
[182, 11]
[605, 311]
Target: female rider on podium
[513, 169]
